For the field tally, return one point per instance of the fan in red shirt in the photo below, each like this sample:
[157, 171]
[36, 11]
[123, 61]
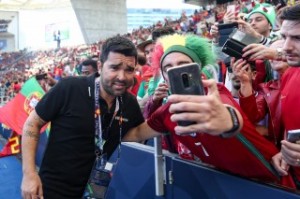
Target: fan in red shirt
[224, 137]
[289, 157]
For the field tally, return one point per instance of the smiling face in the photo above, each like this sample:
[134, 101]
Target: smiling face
[117, 74]
[172, 60]
[290, 31]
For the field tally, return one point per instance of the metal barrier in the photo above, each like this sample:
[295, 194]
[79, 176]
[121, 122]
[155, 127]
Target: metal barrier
[134, 177]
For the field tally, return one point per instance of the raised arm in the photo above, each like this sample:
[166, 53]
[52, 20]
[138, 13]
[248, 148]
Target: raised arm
[31, 183]
[140, 133]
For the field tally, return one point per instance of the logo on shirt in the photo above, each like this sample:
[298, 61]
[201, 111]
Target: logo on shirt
[121, 119]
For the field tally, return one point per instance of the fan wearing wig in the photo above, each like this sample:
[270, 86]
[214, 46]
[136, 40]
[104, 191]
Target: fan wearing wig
[225, 138]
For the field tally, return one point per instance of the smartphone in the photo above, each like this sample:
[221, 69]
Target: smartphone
[185, 80]
[237, 41]
[243, 38]
[293, 136]
[227, 26]
[225, 30]
[41, 76]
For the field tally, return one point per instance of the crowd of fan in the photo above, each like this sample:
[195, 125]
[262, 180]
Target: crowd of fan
[247, 80]
[17, 67]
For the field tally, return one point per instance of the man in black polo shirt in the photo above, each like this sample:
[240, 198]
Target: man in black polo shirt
[82, 111]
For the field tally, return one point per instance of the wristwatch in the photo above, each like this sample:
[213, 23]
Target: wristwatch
[235, 121]
[279, 53]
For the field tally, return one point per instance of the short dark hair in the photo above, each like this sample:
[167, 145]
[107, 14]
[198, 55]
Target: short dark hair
[141, 60]
[159, 32]
[95, 56]
[291, 13]
[90, 62]
[118, 44]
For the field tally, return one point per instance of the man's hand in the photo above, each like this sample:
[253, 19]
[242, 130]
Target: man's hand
[229, 17]
[246, 28]
[280, 165]
[208, 111]
[160, 92]
[241, 69]
[258, 51]
[31, 186]
[214, 32]
[290, 153]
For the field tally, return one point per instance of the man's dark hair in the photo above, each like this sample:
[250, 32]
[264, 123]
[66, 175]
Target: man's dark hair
[120, 45]
[95, 56]
[291, 13]
[90, 62]
[159, 32]
[141, 60]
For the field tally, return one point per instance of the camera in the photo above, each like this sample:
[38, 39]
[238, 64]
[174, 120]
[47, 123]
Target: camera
[236, 42]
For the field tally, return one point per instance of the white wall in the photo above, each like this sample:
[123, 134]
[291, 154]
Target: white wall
[32, 24]
[12, 31]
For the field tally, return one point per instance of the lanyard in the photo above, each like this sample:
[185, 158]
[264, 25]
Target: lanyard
[99, 141]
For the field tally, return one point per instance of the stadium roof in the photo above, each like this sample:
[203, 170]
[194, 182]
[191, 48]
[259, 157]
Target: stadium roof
[32, 4]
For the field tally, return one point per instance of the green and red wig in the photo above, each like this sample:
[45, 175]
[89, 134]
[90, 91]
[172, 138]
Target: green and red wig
[195, 47]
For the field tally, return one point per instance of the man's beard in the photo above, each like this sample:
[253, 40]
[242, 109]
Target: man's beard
[109, 90]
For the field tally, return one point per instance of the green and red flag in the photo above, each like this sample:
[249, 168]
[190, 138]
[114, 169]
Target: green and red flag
[16, 111]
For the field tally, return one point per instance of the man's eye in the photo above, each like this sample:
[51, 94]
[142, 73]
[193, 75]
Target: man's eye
[130, 70]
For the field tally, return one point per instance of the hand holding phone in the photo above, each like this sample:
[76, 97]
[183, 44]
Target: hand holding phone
[237, 41]
[185, 80]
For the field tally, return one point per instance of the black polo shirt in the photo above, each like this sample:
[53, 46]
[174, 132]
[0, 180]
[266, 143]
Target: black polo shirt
[70, 152]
